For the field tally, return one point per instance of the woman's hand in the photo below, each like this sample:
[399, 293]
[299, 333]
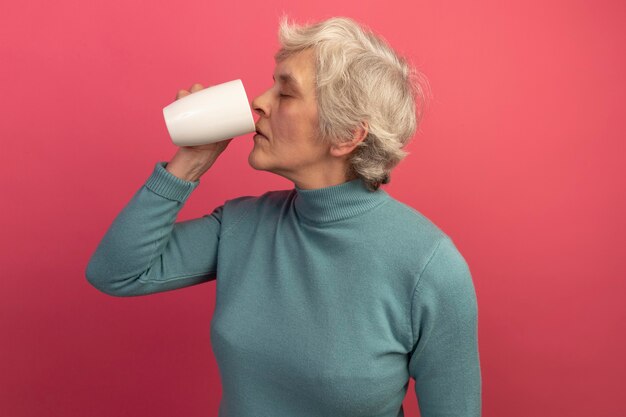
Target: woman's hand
[191, 162]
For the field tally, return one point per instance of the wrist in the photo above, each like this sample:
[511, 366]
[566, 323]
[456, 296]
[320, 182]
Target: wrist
[188, 169]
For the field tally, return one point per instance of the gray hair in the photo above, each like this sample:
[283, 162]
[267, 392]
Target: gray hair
[360, 81]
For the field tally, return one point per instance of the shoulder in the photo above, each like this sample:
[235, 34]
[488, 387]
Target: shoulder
[252, 206]
[269, 199]
[414, 221]
[409, 233]
[424, 250]
[446, 266]
[445, 287]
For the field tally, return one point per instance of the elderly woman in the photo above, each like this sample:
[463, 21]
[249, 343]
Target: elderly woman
[330, 295]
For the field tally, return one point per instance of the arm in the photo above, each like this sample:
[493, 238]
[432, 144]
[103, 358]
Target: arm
[445, 361]
[145, 251]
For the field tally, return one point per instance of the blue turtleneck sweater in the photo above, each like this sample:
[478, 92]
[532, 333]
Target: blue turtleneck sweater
[327, 300]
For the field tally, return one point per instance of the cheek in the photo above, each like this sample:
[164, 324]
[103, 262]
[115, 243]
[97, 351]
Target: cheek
[296, 124]
[289, 122]
[288, 111]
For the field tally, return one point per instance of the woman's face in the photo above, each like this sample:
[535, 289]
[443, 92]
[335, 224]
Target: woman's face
[288, 122]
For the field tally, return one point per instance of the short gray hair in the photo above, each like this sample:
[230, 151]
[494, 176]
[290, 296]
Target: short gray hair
[360, 81]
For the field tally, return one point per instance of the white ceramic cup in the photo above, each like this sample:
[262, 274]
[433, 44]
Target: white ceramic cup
[213, 114]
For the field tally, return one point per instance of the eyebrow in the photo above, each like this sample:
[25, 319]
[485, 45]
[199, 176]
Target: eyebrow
[289, 80]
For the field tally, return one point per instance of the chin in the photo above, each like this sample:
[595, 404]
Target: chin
[253, 161]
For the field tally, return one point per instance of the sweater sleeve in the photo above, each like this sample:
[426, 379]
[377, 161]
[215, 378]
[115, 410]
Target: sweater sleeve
[445, 361]
[144, 251]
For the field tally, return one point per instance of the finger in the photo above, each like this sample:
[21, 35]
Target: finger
[182, 93]
[196, 87]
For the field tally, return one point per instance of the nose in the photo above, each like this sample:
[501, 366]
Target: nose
[260, 105]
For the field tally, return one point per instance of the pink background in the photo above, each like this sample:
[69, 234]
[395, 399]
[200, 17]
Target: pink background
[520, 159]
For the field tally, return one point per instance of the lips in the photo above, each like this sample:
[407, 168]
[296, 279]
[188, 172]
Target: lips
[260, 132]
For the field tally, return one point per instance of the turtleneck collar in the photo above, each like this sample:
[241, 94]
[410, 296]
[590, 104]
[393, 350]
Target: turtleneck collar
[337, 202]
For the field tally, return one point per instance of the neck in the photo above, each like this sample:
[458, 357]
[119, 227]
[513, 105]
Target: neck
[333, 172]
[337, 202]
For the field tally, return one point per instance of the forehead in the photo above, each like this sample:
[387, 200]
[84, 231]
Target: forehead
[297, 71]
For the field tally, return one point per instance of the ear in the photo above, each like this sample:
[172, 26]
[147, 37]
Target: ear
[344, 148]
